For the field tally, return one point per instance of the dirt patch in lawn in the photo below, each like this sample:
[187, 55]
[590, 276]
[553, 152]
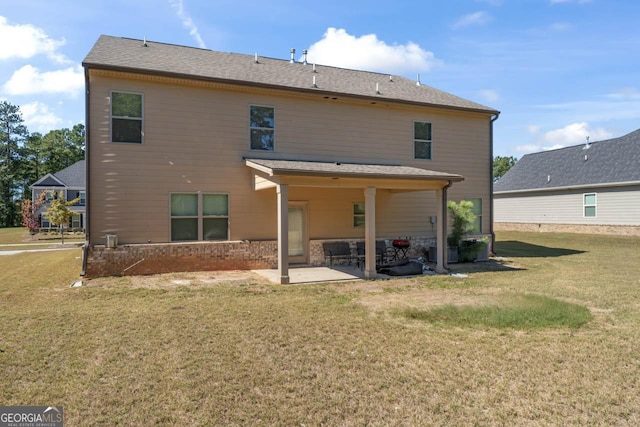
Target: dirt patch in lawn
[428, 298]
[192, 280]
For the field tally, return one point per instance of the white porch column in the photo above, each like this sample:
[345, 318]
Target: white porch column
[370, 232]
[283, 233]
[441, 238]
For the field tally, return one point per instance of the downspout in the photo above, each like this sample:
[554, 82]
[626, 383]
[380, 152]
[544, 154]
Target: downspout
[493, 234]
[87, 193]
[445, 254]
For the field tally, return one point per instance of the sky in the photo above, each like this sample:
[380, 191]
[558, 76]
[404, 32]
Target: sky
[559, 71]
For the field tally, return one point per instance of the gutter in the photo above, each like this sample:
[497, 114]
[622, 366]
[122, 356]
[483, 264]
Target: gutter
[87, 193]
[571, 187]
[493, 234]
[445, 257]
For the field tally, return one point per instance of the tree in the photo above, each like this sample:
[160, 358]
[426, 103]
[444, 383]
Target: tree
[58, 211]
[12, 136]
[501, 165]
[30, 218]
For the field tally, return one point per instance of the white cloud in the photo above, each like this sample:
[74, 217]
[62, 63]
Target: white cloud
[490, 95]
[37, 117]
[188, 22]
[29, 80]
[533, 129]
[26, 41]
[477, 18]
[575, 133]
[624, 93]
[341, 49]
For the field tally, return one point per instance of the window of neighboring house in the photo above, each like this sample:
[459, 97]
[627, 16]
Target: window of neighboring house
[358, 215]
[126, 117]
[75, 221]
[83, 198]
[262, 127]
[422, 140]
[589, 204]
[51, 195]
[196, 216]
[476, 227]
[45, 222]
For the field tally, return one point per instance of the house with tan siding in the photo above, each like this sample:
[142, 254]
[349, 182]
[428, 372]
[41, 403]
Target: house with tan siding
[204, 160]
[590, 188]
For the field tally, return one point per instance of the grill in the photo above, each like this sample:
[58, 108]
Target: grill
[401, 243]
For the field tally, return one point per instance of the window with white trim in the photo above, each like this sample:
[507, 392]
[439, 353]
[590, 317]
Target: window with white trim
[262, 127]
[126, 117]
[358, 215]
[589, 204]
[199, 216]
[476, 227]
[422, 140]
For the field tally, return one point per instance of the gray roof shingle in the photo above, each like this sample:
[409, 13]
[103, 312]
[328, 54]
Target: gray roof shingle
[126, 54]
[73, 176]
[610, 161]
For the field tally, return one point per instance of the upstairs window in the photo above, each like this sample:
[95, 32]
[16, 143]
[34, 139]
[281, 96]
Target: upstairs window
[126, 117]
[422, 140]
[589, 204]
[262, 125]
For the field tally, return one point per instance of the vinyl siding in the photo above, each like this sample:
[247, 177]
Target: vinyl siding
[615, 206]
[196, 135]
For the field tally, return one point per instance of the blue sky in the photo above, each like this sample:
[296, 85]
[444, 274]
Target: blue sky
[558, 70]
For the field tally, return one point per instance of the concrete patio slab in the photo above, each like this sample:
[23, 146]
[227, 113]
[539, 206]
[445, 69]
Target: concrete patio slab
[298, 275]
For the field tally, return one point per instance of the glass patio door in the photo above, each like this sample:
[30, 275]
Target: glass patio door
[298, 239]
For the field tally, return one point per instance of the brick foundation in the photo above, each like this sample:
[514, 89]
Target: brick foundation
[157, 258]
[621, 230]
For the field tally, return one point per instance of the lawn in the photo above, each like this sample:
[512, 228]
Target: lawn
[210, 349]
[19, 238]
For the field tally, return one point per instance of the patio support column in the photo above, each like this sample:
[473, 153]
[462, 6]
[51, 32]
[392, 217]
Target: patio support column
[441, 239]
[370, 232]
[283, 233]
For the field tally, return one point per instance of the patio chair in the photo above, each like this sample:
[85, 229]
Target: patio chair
[382, 252]
[337, 251]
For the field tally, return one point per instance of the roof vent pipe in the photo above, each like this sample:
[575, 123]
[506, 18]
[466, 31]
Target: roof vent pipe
[586, 146]
[418, 80]
[256, 58]
[304, 56]
[144, 42]
[293, 54]
[314, 67]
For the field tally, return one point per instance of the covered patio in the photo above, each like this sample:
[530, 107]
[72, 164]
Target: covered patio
[283, 174]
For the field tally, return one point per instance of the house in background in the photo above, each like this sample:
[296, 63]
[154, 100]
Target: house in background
[71, 182]
[591, 188]
[203, 160]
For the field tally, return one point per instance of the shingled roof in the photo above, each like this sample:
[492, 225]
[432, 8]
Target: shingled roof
[124, 54]
[73, 176]
[609, 162]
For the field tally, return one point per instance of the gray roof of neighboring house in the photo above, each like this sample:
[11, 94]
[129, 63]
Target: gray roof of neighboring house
[124, 54]
[73, 176]
[296, 167]
[612, 161]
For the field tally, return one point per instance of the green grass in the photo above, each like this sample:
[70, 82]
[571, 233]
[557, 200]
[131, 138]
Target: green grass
[19, 235]
[514, 312]
[210, 349]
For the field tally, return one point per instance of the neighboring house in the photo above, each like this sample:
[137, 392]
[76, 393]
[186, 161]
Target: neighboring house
[71, 182]
[593, 187]
[203, 160]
